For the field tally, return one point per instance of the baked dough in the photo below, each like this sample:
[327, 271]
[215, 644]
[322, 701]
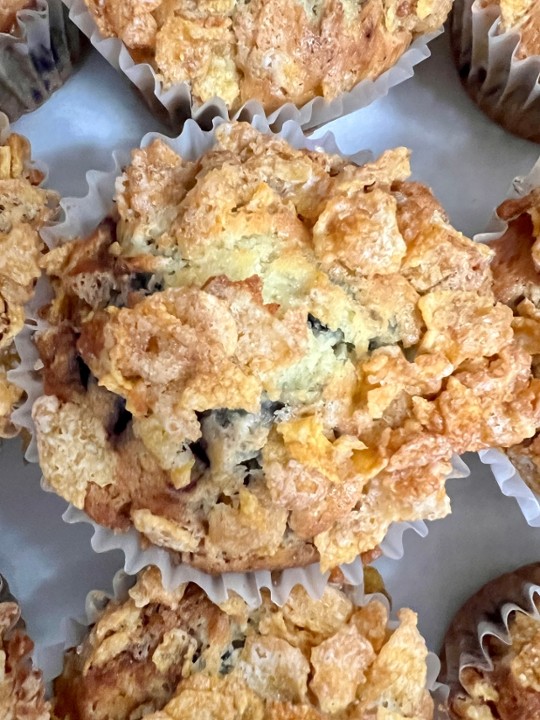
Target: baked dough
[275, 51]
[271, 355]
[25, 208]
[22, 693]
[175, 655]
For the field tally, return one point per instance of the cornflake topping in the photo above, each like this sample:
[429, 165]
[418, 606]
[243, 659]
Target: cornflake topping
[271, 355]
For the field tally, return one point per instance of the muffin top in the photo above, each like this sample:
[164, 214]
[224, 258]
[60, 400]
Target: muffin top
[172, 655]
[8, 13]
[271, 354]
[497, 677]
[22, 693]
[25, 208]
[522, 15]
[516, 273]
[275, 51]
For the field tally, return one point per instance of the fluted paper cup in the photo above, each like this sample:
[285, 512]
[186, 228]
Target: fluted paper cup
[505, 86]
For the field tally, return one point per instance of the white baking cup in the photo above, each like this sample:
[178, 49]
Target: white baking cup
[37, 58]
[175, 103]
[487, 613]
[504, 471]
[506, 87]
[50, 659]
[81, 217]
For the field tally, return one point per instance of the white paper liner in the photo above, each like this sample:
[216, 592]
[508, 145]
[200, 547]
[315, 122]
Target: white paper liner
[174, 104]
[50, 659]
[37, 58]
[81, 216]
[505, 473]
[487, 613]
[506, 87]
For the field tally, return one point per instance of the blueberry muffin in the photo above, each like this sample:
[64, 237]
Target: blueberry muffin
[273, 51]
[269, 355]
[170, 655]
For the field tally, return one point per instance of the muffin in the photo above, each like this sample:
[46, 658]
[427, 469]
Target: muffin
[269, 355]
[38, 46]
[22, 693]
[497, 51]
[26, 207]
[491, 651]
[167, 655]
[272, 51]
[516, 276]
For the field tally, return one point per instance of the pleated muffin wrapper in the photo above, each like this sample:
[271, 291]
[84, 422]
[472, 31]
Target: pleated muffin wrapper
[174, 105]
[506, 474]
[487, 613]
[74, 630]
[37, 58]
[81, 217]
[506, 87]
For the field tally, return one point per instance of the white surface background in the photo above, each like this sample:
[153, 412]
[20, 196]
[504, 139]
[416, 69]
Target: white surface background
[467, 160]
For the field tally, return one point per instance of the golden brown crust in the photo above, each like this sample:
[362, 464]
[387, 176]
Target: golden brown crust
[173, 655]
[275, 51]
[307, 345]
[22, 693]
[25, 209]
